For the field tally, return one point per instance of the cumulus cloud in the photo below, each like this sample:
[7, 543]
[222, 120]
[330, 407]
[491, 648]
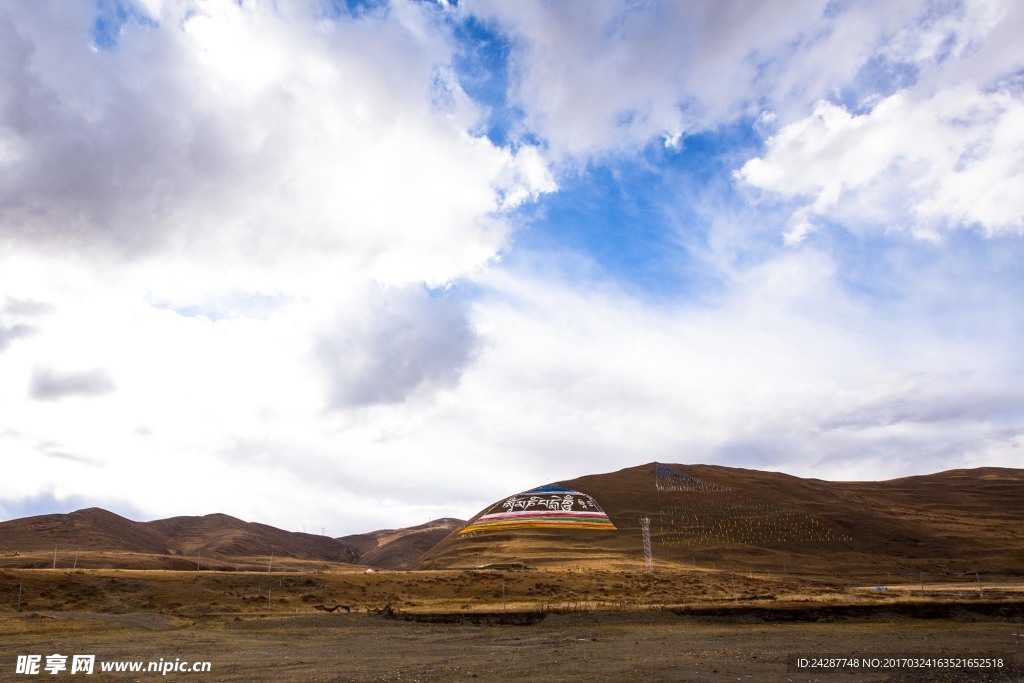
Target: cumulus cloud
[952, 159]
[239, 134]
[789, 371]
[203, 194]
[233, 208]
[942, 149]
[51, 385]
[404, 341]
[608, 76]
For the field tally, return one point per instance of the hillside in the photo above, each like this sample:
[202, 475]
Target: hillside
[227, 536]
[89, 529]
[400, 548]
[215, 541]
[951, 523]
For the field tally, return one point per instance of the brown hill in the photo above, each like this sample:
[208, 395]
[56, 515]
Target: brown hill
[400, 548]
[216, 541]
[223, 535]
[87, 529]
[211, 537]
[951, 523]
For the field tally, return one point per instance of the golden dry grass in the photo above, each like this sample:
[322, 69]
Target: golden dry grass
[604, 646]
[190, 594]
[670, 625]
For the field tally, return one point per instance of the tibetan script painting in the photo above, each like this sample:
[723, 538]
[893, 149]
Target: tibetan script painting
[543, 507]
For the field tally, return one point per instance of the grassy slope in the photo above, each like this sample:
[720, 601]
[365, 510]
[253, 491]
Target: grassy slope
[951, 523]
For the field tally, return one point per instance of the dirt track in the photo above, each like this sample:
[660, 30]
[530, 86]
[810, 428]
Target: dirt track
[647, 646]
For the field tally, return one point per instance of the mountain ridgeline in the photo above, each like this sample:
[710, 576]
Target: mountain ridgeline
[99, 539]
[958, 523]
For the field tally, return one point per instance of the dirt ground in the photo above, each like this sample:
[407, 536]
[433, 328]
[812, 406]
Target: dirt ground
[457, 625]
[634, 646]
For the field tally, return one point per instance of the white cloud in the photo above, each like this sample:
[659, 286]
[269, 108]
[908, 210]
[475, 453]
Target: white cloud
[240, 245]
[948, 35]
[403, 342]
[248, 134]
[525, 177]
[209, 208]
[945, 151]
[951, 159]
[603, 75]
[611, 76]
[788, 372]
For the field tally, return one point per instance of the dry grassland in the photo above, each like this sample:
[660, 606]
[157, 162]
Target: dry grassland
[199, 593]
[589, 624]
[639, 646]
[191, 594]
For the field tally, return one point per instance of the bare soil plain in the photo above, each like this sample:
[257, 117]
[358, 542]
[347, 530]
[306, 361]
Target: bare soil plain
[554, 625]
[652, 646]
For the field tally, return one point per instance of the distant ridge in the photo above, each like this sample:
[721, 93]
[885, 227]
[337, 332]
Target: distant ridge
[400, 548]
[213, 538]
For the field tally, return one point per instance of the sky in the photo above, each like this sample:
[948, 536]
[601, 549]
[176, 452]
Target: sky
[342, 266]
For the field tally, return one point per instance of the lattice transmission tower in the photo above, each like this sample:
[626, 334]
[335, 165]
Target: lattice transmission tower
[645, 527]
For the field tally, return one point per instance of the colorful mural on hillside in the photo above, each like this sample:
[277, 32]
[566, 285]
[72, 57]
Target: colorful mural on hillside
[544, 507]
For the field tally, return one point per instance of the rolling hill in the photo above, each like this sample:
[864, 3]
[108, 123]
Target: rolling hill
[952, 523]
[400, 548]
[217, 541]
[960, 523]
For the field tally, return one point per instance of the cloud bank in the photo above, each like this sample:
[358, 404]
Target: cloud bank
[360, 268]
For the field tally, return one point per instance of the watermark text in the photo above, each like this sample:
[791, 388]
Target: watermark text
[52, 665]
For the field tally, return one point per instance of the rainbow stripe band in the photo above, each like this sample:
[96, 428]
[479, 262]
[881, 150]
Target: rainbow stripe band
[597, 525]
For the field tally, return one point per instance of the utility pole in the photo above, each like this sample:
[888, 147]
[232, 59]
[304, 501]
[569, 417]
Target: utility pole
[54, 557]
[645, 528]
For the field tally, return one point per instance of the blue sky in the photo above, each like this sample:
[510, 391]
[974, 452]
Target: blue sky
[359, 265]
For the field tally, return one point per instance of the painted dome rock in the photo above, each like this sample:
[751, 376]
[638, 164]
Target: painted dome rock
[541, 508]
